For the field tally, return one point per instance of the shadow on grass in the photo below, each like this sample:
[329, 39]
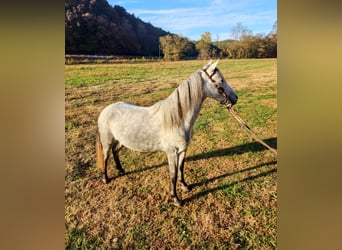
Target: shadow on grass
[222, 187]
[230, 174]
[140, 170]
[241, 149]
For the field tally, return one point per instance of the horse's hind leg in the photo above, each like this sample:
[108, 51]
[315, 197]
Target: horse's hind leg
[103, 145]
[105, 157]
[115, 151]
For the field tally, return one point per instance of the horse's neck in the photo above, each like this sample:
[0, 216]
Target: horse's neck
[192, 115]
[182, 107]
[196, 101]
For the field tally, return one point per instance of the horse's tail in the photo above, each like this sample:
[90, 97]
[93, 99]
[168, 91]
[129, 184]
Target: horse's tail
[99, 151]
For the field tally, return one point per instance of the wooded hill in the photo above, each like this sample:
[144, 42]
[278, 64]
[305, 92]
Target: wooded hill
[94, 27]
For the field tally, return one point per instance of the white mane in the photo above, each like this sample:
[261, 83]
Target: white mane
[183, 99]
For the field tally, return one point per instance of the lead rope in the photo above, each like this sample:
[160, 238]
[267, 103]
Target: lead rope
[236, 115]
[245, 126]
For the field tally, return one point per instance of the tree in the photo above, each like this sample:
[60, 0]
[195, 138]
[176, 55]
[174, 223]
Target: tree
[272, 41]
[239, 31]
[176, 47]
[205, 47]
[247, 45]
[274, 28]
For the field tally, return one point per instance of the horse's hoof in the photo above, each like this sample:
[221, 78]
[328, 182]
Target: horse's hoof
[105, 180]
[186, 188]
[178, 203]
[122, 173]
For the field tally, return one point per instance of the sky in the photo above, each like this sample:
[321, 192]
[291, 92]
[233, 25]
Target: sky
[192, 18]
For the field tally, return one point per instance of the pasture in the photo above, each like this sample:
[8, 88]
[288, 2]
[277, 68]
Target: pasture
[233, 201]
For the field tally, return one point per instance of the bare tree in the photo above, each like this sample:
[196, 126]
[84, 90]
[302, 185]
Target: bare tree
[239, 31]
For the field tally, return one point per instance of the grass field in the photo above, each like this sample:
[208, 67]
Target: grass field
[233, 201]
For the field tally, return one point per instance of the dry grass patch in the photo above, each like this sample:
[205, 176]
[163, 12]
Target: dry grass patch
[233, 199]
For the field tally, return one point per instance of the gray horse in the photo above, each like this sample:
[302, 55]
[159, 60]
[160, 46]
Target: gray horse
[167, 125]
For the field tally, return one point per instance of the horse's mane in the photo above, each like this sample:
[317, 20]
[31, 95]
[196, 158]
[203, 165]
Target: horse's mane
[183, 99]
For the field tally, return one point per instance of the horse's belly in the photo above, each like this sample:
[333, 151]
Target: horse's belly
[139, 142]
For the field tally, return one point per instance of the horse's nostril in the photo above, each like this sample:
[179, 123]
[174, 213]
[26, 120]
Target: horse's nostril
[234, 100]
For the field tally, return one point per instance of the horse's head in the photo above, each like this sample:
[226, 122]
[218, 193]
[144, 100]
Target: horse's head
[216, 86]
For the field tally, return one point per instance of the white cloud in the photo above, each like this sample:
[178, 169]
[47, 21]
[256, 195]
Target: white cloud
[216, 16]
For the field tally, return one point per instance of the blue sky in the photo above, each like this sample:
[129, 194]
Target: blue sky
[191, 18]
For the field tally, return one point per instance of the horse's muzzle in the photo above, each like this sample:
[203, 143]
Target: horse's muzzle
[230, 100]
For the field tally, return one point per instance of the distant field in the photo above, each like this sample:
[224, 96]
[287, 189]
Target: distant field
[233, 203]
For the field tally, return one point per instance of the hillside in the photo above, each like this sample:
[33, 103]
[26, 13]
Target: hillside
[95, 27]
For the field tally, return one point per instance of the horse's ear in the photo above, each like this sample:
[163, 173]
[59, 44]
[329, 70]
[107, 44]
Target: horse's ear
[213, 66]
[208, 64]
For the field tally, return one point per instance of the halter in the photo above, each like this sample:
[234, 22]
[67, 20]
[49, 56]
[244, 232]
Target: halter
[210, 76]
[226, 100]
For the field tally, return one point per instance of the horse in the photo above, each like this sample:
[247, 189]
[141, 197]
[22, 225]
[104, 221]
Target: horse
[164, 126]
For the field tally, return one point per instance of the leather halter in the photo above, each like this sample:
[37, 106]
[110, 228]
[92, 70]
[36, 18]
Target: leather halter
[212, 74]
[226, 100]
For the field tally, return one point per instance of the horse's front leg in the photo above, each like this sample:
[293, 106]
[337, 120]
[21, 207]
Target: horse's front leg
[181, 159]
[173, 169]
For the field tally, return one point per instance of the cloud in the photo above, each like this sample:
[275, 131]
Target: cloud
[179, 18]
[217, 15]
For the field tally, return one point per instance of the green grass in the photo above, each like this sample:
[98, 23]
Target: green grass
[233, 201]
[77, 239]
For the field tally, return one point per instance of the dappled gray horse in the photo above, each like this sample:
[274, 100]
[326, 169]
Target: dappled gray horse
[167, 125]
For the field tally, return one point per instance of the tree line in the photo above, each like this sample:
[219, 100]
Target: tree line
[243, 45]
